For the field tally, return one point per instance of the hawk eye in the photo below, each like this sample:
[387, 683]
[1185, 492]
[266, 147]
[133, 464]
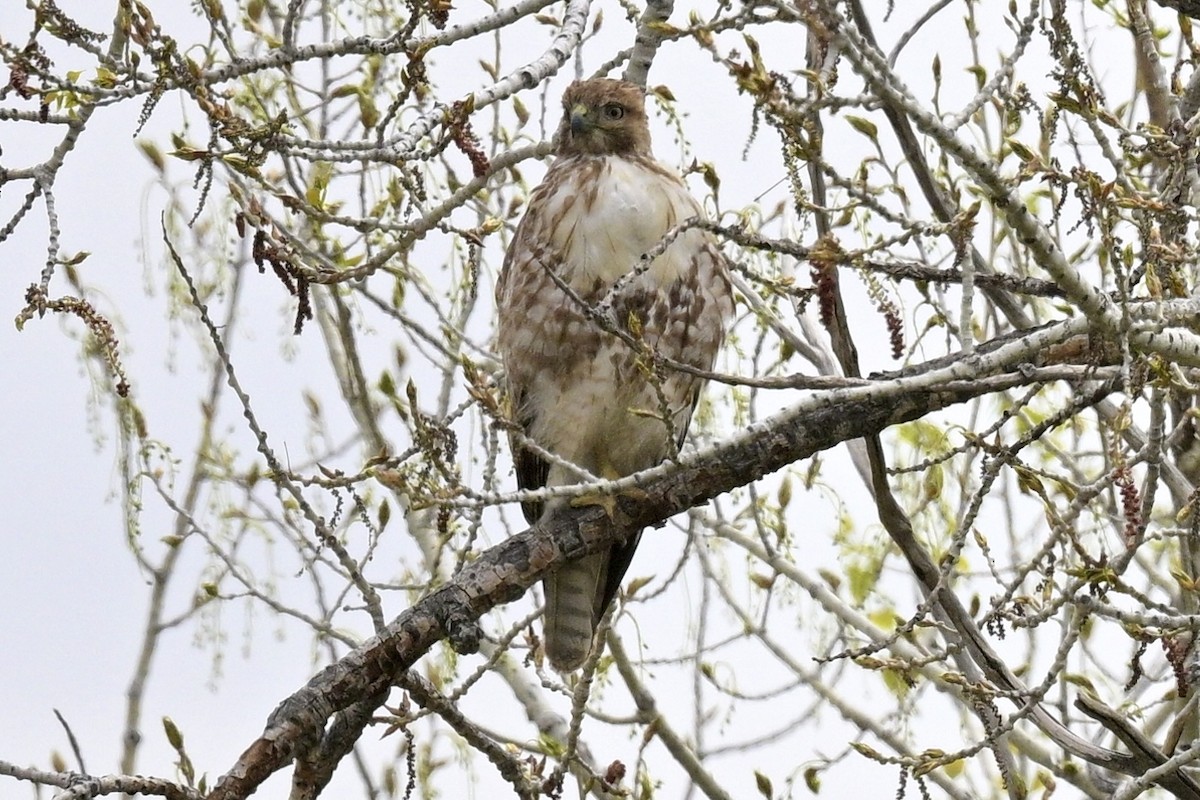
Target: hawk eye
[613, 112]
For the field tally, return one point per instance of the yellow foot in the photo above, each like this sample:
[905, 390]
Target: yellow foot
[607, 500]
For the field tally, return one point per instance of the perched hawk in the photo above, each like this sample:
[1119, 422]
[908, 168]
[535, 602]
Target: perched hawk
[577, 391]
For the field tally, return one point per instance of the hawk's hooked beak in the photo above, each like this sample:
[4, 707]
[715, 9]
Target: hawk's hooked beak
[580, 121]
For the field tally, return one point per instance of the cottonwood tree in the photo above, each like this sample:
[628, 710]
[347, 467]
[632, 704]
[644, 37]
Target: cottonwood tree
[935, 524]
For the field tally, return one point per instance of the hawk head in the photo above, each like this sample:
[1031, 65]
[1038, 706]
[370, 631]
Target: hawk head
[601, 117]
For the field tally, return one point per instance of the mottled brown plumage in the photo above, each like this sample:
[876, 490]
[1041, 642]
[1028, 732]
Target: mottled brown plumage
[582, 393]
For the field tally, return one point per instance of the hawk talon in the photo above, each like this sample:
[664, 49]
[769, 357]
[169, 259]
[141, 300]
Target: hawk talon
[608, 500]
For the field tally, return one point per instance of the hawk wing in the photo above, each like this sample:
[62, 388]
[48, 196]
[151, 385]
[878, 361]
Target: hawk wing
[531, 468]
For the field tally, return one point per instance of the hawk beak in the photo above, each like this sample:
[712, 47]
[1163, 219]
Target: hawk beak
[579, 118]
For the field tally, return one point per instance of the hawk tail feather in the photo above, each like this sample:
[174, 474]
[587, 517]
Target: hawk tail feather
[572, 593]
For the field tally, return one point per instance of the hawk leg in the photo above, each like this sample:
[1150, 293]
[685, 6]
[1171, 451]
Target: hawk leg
[607, 500]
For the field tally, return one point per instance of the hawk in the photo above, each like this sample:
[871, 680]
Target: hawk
[579, 392]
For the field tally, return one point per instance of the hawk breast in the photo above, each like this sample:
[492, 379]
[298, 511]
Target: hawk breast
[625, 207]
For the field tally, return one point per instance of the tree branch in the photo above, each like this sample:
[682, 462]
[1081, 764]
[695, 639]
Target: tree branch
[502, 573]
